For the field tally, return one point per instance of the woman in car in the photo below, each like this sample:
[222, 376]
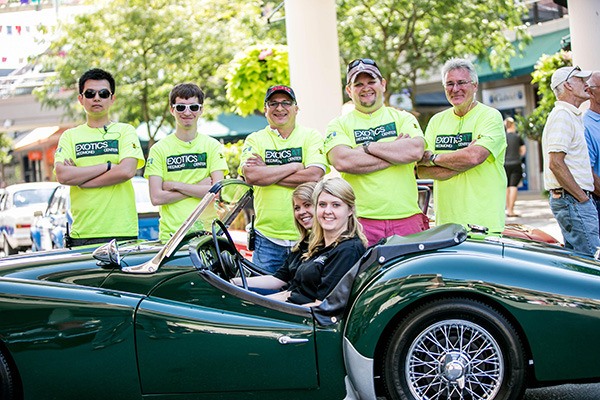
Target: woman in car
[336, 243]
[303, 218]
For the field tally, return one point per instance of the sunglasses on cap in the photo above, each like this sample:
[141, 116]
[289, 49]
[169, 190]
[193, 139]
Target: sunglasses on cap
[182, 107]
[366, 61]
[91, 93]
[571, 73]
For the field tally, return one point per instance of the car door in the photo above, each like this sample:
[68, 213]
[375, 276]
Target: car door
[193, 337]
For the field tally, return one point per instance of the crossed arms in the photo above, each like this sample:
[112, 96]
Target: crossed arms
[257, 172]
[95, 176]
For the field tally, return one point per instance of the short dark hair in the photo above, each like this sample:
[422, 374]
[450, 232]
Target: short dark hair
[96, 74]
[186, 91]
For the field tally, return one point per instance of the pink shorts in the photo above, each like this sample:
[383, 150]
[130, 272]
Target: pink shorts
[377, 229]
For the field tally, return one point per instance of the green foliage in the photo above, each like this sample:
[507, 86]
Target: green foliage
[533, 124]
[252, 72]
[410, 38]
[233, 152]
[149, 46]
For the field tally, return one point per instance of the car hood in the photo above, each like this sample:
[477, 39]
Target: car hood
[73, 267]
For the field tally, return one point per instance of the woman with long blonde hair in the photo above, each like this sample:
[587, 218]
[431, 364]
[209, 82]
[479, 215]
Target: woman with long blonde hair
[302, 201]
[336, 243]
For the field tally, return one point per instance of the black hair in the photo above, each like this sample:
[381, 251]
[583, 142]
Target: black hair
[96, 74]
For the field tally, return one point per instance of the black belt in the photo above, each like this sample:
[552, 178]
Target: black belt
[562, 192]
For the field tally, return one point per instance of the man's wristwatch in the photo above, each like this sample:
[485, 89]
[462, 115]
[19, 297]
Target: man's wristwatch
[365, 146]
[432, 159]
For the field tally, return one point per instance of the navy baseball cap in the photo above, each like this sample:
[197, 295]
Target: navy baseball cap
[280, 89]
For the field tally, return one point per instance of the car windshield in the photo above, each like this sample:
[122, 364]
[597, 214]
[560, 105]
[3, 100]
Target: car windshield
[224, 201]
[25, 198]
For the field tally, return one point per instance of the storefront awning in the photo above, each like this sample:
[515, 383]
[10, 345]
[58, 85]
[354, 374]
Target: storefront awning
[523, 65]
[36, 136]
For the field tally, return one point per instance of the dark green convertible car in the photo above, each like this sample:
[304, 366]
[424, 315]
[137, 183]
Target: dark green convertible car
[444, 314]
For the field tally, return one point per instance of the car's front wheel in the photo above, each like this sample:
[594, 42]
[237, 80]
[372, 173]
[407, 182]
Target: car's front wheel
[6, 380]
[454, 349]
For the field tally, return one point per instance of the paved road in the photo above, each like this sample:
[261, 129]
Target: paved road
[533, 210]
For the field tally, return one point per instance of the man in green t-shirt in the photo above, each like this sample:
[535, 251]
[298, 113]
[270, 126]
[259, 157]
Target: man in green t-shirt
[275, 160]
[465, 154]
[375, 149]
[98, 160]
[183, 166]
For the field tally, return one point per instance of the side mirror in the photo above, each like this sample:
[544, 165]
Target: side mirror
[108, 254]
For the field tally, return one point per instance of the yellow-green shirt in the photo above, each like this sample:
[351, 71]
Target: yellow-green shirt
[476, 196]
[189, 162]
[273, 203]
[390, 193]
[107, 211]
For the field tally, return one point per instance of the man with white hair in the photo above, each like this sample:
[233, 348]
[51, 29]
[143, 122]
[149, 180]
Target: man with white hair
[465, 153]
[567, 169]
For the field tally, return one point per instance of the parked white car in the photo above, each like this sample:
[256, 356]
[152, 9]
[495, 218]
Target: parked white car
[18, 203]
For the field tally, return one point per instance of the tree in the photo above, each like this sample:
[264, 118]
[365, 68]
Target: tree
[533, 124]
[149, 46]
[252, 72]
[411, 38]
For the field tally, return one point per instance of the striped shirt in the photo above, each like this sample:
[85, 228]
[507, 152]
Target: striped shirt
[564, 133]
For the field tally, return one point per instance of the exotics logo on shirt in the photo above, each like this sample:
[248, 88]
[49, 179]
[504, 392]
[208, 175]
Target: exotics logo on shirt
[100, 148]
[374, 134]
[453, 142]
[186, 161]
[284, 156]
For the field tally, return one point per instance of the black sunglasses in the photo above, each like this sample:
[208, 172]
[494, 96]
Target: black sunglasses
[366, 61]
[91, 93]
[571, 73]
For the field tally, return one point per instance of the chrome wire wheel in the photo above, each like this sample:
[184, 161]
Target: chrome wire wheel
[454, 359]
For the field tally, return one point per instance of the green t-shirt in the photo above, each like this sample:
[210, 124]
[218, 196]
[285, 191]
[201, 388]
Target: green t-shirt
[478, 195]
[390, 193]
[189, 162]
[273, 203]
[107, 211]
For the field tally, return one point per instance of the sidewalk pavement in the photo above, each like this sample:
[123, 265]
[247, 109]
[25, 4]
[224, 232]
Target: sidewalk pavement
[534, 210]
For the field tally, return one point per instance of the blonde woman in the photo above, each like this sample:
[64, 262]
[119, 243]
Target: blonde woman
[302, 202]
[336, 243]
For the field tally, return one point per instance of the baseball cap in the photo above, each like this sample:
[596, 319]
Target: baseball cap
[361, 65]
[280, 89]
[563, 74]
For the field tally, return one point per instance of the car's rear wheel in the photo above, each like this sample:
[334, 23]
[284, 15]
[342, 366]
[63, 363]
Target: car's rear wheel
[7, 390]
[454, 349]
[8, 250]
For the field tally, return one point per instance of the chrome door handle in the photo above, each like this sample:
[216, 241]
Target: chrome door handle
[289, 340]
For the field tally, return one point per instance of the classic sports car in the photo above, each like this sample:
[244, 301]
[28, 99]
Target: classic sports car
[443, 314]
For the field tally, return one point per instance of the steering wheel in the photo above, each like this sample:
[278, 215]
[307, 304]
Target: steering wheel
[230, 263]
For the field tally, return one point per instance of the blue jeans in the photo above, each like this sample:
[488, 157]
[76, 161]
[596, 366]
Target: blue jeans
[578, 223]
[269, 256]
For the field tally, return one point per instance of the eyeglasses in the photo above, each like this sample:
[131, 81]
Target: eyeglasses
[593, 86]
[458, 84]
[182, 107]
[366, 61]
[91, 93]
[285, 104]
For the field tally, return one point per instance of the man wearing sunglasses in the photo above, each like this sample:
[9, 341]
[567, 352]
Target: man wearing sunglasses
[375, 148]
[98, 159]
[183, 166]
[567, 168]
[591, 121]
[466, 147]
[275, 160]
